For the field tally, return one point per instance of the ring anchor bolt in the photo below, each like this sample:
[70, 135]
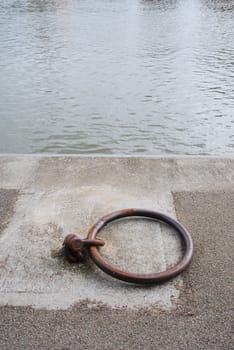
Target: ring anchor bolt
[76, 249]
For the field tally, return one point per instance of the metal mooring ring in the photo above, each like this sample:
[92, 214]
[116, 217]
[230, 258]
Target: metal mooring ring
[151, 278]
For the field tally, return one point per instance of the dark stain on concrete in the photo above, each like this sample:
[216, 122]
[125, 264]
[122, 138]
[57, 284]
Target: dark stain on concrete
[203, 318]
[209, 280]
[8, 198]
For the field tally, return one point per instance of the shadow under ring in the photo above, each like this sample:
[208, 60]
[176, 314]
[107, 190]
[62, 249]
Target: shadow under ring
[136, 278]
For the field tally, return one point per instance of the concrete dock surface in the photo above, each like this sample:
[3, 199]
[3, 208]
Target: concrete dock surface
[47, 303]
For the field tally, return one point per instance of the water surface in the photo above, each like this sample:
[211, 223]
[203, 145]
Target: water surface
[117, 77]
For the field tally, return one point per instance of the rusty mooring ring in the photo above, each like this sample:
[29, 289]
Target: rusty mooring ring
[133, 277]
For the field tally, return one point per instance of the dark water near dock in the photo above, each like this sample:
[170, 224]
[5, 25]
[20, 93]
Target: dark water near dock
[117, 77]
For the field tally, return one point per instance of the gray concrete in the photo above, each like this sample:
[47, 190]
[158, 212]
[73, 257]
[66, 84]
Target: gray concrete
[7, 202]
[58, 195]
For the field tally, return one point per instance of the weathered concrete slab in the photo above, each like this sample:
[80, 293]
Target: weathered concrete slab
[60, 195]
[202, 319]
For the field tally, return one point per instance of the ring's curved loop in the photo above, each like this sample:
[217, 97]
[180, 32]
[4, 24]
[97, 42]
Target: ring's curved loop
[136, 278]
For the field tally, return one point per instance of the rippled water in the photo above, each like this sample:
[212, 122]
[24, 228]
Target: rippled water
[117, 77]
